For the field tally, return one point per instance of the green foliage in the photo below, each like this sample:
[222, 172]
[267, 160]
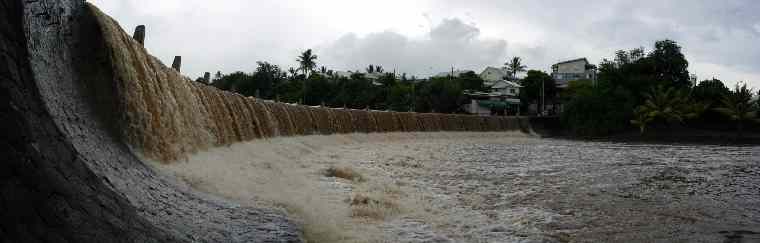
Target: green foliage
[738, 106]
[442, 95]
[669, 105]
[263, 83]
[597, 112]
[471, 81]
[356, 92]
[582, 87]
[514, 67]
[710, 92]
[401, 97]
[531, 91]
[670, 64]
[307, 60]
[655, 83]
[319, 90]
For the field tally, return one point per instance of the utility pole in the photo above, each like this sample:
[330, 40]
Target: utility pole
[543, 96]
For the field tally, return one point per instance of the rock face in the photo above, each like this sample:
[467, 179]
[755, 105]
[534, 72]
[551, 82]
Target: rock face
[66, 175]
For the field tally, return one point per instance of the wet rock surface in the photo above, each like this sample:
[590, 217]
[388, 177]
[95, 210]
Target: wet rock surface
[65, 176]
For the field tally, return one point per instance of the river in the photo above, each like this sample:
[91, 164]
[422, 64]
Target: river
[478, 187]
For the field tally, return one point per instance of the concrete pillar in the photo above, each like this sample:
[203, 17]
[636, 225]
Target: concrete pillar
[140, 34]
[207, 77]
[177, 64]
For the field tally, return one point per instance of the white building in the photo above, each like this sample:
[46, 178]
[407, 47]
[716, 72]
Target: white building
[506, 88]
[503, 98]
[492, 75]
[572, 70]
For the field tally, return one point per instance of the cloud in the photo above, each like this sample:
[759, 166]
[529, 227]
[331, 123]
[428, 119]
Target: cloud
[450, 43]
[429, 36]
[713, 33]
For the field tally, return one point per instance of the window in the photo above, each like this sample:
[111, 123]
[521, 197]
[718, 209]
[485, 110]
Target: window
[512, 91]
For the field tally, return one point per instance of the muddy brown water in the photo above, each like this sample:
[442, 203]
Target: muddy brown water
[607, 192]
[494, 187]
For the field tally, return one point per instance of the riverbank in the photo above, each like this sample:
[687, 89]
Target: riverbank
[708, 134]
[488, 187]
[690, 136]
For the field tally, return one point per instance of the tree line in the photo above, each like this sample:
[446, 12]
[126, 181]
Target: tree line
[314, 86]
[634, 89]
[652, 90]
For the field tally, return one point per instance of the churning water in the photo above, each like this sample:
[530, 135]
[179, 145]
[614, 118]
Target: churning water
[476, 187]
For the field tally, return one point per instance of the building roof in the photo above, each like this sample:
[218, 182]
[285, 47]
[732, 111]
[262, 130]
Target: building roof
[574, 60]
[504, 84]
[500, 72]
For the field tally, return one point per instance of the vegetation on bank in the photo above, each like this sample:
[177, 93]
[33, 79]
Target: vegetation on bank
[652, 90]
[320, 86]
[636, 89]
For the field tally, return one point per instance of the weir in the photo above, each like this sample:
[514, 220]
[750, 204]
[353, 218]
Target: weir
[82, 101]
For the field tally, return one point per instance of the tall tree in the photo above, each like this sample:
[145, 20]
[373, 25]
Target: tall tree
[265, 80]
[668, 105]
[400, 97]
[371, 68]
[532, 90]
[471, 81]
[670, 64]
[292, 71]
[738, 107]
[307, 61]
[710, 91]
[515, 66]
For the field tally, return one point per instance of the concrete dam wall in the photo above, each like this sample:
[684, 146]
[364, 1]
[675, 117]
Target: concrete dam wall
[79, 96]
[166, 115]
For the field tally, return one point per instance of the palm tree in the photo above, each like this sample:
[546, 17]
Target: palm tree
[292, 71]
[307, 60]
[666, 104]
[738, 106]
[515, 66]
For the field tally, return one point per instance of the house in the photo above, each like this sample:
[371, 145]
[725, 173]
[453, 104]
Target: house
[572, 70]
[492, 75]
[507, 88]
[503, 99]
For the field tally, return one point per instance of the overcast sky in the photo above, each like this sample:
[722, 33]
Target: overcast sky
[720, 38]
